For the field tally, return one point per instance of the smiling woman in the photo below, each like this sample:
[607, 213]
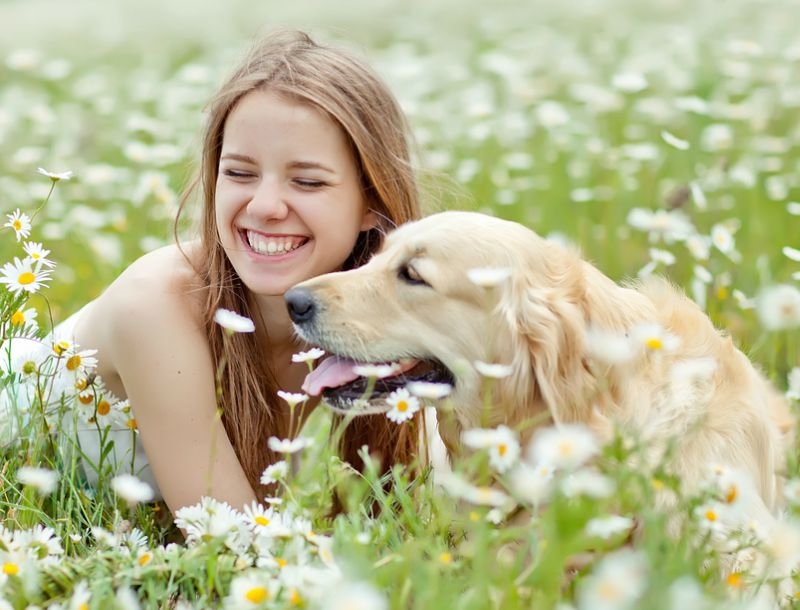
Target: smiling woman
[305, 165]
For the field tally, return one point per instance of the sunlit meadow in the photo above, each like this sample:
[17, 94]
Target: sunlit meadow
[659, 137]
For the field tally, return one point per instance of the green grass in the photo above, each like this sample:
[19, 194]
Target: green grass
[516, 113]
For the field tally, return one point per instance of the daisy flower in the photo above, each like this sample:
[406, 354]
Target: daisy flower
[653, 338]
[618, 580]
[309, 356]
[355, 596]
[40, 542]
[778, 307]
[22, 276]
[80, 363]
[531, 484]
[793, 379]
[20, 222]
[54, 176]
[723, 240]
[287, 445]
[377, 371]
[292, 399]
[131, 489]
[43, 480]
[253, 590]
[501, 442]
[564, 447]
[666, 225]
[233, 322]
[674, 141]
[493, 371]
[428, 389]
[488, 277]
[609, 347]
[274, 473]
[23, 317]
[483, 495]
[403, 405]
[607, 527]
[588, 483]
[38, 254]
[791, 253]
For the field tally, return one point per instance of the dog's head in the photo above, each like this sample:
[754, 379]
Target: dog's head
[414, 304]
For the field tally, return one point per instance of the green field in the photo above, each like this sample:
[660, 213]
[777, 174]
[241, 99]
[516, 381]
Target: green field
[563, 116]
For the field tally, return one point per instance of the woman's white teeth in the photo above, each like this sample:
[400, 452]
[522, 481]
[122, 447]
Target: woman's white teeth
[272, 245]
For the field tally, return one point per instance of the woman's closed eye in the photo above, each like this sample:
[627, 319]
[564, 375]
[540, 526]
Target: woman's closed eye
[237, 174]
[309, 183]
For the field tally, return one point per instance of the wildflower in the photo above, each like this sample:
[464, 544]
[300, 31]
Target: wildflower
[607, 527]
[131, 489]
[778, 307]
[458, 487]
[274, 473]
[354, 596]
[791, 253]
[233, 322]
[20, 222]
[722, 238]
[21, 275]
[564, 447]
[403, 404]
[629, 82]
[39, 542]
[667, 225]
[674, 141]
[253, 590]
[38, 254]
[617, 581]
[532, 484]
[793, 379]
[710, 517]
[501, 442]
[43, 480]
[105, 538]
[653, 338]
[23, 317]
[308, 357]
[258, 517]
[55, 176]
[428, 389]
[487, 277]
[127, 599]
[588, 483]
[377, 371]
[699, 246]
[292, 398]
[211, 519]
[609, 347]
[80, 363]
[493, 371]
[288, 445]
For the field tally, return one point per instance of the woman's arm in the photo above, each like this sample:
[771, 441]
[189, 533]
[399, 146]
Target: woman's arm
[153, 340]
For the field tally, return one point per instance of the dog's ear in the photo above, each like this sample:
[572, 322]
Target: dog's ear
[545, 309]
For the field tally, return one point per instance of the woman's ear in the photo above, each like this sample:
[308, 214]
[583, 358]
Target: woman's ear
[370, 220]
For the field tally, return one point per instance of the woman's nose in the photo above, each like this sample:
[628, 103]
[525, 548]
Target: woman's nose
[268, 200]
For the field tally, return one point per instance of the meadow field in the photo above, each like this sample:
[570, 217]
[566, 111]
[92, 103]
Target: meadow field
[658, 136]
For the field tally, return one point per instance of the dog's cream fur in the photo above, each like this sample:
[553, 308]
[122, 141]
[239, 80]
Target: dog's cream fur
[704, 394]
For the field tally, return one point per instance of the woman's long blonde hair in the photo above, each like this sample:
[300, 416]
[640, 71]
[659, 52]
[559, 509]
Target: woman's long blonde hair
[290, 63]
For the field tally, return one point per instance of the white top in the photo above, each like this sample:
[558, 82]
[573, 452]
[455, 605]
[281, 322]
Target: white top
[90, 421]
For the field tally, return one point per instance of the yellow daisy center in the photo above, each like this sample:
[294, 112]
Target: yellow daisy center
[86, 399]
[261, 520]
[73, 362]
[61, 347]
[29, 368]
[654, 343]
[131, 423]
[295, 598]
[657, 484]
[282, 563]
[256, 594]
[83, 606]
[26, 277]
[17, 225]
[608, 591]
[446, 558]
[103, 407]
[10, 569]
[81, 384]
[502, 448]
[566, 448]
[711, 515]
[402, 406]
[732, 494]
[144, 559]
[734, 580]
[18, 318]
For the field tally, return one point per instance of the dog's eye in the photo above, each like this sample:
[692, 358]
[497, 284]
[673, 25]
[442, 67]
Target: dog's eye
[409, 275]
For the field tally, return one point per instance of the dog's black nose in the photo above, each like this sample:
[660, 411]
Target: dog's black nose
[300, 304]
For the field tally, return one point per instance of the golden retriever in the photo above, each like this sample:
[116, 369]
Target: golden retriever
[579, 347]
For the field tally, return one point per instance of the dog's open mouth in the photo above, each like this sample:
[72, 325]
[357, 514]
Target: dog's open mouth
[339, 382]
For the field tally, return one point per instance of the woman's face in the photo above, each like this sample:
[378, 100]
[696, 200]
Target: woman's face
[288, 196]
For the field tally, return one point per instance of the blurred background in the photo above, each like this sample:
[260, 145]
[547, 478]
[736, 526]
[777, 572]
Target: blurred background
[605, 123]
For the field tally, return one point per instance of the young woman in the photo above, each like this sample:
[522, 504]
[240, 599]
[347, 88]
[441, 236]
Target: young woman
[305, 164]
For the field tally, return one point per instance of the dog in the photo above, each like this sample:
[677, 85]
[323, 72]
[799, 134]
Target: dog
[577, 346]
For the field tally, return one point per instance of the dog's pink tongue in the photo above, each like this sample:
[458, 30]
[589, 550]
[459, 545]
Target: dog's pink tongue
[330, 373]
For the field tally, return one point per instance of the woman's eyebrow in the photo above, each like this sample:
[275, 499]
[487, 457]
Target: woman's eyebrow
[310, 165]
[237, 157]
